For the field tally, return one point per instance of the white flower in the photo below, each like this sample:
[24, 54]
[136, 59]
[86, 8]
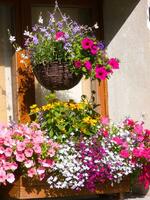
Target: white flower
[18, 49]
[40, 20]
[12, 39]
[96, 26]
[26, 33]
[52, 19]
[55, 179]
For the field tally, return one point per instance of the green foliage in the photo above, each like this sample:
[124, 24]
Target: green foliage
[62, 120]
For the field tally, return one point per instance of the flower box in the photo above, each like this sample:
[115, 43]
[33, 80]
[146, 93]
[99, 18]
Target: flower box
[27, 189]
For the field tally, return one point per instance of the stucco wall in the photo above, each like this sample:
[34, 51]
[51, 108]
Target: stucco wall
[128, 38]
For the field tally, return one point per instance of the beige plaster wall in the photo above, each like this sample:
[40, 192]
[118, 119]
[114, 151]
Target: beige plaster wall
[129, 88]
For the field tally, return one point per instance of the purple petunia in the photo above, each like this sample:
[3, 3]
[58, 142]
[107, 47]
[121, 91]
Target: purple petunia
[101, 45]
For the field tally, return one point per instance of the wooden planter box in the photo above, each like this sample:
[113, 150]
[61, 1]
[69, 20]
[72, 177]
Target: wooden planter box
[27, 189]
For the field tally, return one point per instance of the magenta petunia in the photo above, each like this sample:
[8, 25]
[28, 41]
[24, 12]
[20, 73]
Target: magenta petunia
[59, 35]
[101, 73]
[87, 43]
[124, 153]
[114, 63]
[94, 50]
[88, 65]
[77, 63]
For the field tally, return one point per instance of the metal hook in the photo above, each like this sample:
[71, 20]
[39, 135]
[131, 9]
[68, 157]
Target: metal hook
[56, 4]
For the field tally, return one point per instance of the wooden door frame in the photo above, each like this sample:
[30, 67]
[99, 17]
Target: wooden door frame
[23, 8]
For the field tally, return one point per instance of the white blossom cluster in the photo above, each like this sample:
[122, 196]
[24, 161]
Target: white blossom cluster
[69, 166]
[119, 166]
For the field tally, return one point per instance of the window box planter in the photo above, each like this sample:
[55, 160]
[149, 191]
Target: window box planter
[27, 189]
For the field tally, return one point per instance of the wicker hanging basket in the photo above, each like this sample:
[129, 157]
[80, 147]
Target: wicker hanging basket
[56, 76]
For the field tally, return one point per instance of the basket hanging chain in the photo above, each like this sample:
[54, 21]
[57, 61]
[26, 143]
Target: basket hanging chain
[58, 9]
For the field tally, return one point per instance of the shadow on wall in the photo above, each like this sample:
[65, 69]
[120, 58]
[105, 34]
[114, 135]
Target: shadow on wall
[115, 13]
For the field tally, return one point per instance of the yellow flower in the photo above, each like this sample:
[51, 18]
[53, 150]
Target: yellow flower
[89, 120]
[35, 110]
[80, 106]
[93, 122]
[33, 106]
[83, 130]
[47, 107]
[86, 119]
[72, 106]
[65, 105]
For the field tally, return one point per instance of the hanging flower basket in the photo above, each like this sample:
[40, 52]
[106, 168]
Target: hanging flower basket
[65, 41]
[56, 76]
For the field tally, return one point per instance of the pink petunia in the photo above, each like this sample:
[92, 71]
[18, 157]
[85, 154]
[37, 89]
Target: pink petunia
[47, 163]
[1, 140]
[2, 150]
[138, 128]
[7, 166]
[42, 176]
[129, 122]
[59, 35]
[101, 73]
[117, 140]
[105, 120]
[51, 152]
[13, 166]
[41, 170]
[10, 177]
[20, 157]
[8, 152]
[77, 63]
[32, 172]
[37, 149]
[105, 133]
[28, 152]
[94, 50]
[124, 153]
[114, 63]
[20, 146]
[88, 65]
[8, 142]
[137, 152]
[144, 177]
[2, 176]
[86, 43]
[29, 163]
